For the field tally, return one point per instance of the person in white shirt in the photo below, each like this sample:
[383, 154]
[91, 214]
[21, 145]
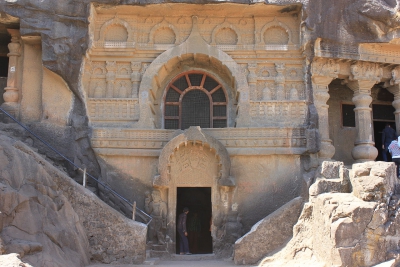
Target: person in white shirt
[394, 149]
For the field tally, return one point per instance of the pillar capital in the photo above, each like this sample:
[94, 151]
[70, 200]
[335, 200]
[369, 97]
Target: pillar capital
[361, 86]
[324, 67]
[395, 90]
[366, 71]
[395, 76]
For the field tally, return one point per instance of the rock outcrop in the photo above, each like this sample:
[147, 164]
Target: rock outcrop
[348, 229]
[50, 220]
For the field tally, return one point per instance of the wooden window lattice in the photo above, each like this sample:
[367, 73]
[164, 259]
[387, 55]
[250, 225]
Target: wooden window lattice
[195, 99]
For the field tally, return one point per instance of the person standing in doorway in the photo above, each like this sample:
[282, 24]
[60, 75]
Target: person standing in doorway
[395, 151]
[388, 134]
[194, 233]
[184, 244]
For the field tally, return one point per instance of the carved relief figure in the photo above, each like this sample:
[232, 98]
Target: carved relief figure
[99, 91]
[122, 90]
[294, 95]
[158, 210]
[267, 94]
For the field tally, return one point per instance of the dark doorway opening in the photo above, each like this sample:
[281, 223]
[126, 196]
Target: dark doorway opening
[198, 200]
[382, 114]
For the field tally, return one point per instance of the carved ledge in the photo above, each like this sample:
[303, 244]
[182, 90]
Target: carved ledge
[273, 137]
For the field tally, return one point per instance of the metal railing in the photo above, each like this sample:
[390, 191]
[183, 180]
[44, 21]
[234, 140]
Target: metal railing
[135, 211]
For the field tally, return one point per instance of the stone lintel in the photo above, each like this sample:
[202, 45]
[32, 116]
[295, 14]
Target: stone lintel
[31, 40]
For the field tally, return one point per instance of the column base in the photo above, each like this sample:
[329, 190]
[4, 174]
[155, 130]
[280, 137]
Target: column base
[364, 152]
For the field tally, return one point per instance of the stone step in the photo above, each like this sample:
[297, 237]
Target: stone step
[192, 257]
[151, 261]
[159, 254]
[159, 247]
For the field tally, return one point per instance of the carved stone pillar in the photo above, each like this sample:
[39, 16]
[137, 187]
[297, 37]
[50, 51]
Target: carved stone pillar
[323, 72]
[110, 78]
[135, 78]
[11, 94]
[252, 80]
[280, 81]
[395, 90]
[363, 77]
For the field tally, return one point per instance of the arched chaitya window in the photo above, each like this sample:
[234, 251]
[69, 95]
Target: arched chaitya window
[195, 99]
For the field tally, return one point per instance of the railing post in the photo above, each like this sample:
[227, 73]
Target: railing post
[133, 210]
[84, 178]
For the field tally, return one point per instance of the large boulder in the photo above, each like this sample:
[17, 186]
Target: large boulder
[269, 234]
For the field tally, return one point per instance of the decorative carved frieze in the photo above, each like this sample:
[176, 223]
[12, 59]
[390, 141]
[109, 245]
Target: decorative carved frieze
[194, 165]
[229, 137]
[279, 113]
[101, 109]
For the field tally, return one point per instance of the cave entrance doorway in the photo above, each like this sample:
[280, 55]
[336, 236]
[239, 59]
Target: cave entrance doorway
[382, 114]
[198, 200]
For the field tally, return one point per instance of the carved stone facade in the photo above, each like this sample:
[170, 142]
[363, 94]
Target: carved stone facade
[277, 117]
[259, 62]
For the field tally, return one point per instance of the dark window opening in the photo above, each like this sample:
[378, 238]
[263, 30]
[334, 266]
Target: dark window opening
[3, 66]
[195, 99]
[348, 115]
[383, 112]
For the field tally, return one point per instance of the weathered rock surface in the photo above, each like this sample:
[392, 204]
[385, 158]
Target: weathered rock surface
[372, 181]
[269, 234]
[50, 220]
[332, 176]
[38, 221]
[340, 229]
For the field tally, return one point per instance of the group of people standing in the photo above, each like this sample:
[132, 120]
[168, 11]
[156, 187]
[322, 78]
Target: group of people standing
[391, 144]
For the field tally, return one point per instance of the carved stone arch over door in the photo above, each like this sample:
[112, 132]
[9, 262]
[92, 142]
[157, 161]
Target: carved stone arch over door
[195, 159]
[194, 46]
